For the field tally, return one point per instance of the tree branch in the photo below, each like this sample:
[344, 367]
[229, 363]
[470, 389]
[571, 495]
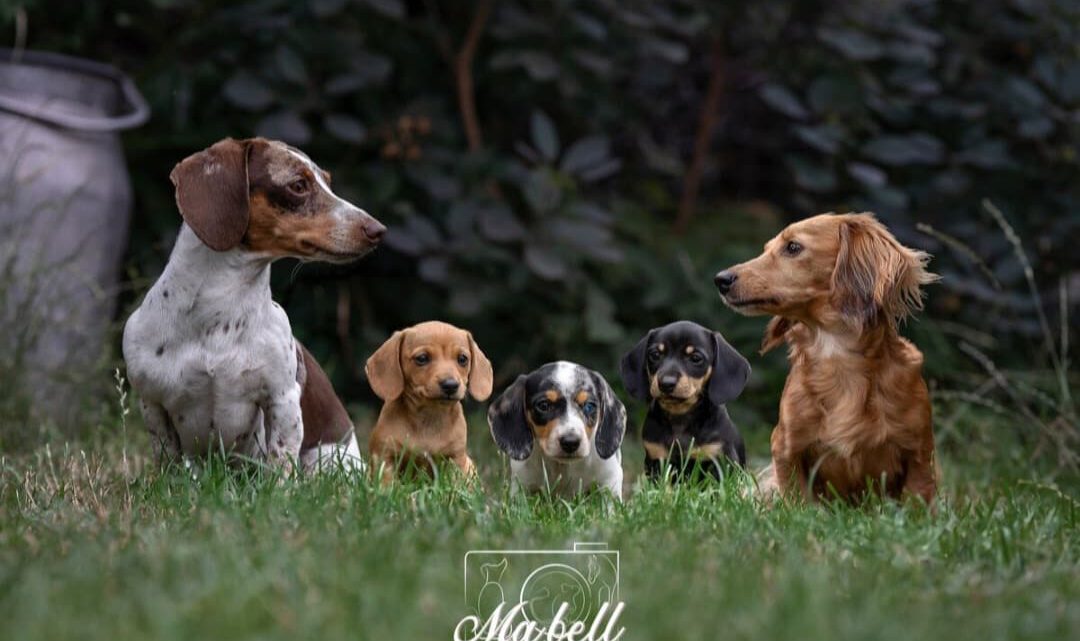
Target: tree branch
[702, 138]
[463, 75]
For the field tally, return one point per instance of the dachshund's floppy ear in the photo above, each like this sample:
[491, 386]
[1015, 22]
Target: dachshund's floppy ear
[612, 424]
[480, 374]
[875, 275]
[632, 369]
[730, 372]
[775, 332]
[212, 193]
[383, 369]
[509, 428]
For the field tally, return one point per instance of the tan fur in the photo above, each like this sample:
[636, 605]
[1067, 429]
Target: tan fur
[417, 423]
[685, 395]
[655, 450]
[855, 409]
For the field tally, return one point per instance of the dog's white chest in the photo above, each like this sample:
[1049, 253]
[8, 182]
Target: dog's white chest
[211, 368]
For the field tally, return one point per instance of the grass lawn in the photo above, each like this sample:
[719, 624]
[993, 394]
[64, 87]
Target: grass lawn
[100, 545]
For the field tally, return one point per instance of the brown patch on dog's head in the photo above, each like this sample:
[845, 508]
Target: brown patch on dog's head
[272, 199]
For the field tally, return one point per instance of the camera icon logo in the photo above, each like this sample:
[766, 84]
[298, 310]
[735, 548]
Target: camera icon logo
[578, 581]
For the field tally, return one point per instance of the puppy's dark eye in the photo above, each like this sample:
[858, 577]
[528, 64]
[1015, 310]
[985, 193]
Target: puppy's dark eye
[793, 248]
[463, 360]
[589, 408]
[421, 359]
[543, 406]
[696, 358]
[654, 355]
[300, 186]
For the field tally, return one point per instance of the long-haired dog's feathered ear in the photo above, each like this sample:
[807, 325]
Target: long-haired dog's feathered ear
[632, 369]
[876, 276]
[506, 418]
[730, 372]
[612, 424]
[775, 333]
[383, 369]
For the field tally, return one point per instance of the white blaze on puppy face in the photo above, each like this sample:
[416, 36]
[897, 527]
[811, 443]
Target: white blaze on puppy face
[571, 422]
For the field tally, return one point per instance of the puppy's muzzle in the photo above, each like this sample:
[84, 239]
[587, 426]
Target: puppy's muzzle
[667, 384]
[570, 443]
[450, 387]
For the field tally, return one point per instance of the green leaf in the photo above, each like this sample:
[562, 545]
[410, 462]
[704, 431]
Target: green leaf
[291, 66]
[544, 136]
[345, 127]
[585, 154]
[781, 99]
[911, 149]
[284, 125]
[248, 92]
[855, 45]
[541, 192]
[812, 175]
[545, 262]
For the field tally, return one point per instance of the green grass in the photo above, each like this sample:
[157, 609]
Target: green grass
[100, 545]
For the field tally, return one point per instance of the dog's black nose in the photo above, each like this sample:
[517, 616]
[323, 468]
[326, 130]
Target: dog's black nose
[374, 230]
[449, 386]
[667, 383]
[569, 443]
[724, 280]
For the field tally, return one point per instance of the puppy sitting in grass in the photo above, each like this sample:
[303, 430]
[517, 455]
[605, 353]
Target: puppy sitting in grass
[422, 374]
[687, 373]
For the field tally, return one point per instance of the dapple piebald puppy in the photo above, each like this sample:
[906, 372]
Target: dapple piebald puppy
[562, 427]
[212, 357]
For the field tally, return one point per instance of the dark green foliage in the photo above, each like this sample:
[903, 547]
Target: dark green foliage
[547, 228]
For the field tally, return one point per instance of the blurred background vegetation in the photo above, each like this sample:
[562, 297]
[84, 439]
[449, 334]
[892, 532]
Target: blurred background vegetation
[560, 176]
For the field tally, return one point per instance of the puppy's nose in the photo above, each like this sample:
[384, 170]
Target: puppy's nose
[569, 443]
[724, 280]
[449, 386]
[667, 383]
[374, 230]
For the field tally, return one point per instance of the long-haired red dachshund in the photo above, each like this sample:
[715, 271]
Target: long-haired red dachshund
[855, 411]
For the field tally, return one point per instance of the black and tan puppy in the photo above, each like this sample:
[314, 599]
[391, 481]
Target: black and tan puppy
[687, 373]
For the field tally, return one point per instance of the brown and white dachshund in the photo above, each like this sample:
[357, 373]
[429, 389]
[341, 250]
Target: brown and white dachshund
[855, 412]
[422, 374]
[209, 352]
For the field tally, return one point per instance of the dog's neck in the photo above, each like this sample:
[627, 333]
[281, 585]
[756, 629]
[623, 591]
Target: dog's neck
[205, 284]
[423, 413]
[838, 339]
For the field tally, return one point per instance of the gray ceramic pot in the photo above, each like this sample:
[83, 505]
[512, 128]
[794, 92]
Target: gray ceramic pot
[65, 205]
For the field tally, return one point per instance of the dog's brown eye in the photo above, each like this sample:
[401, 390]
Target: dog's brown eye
[299, 186]
[793, 248]
[463, 360]
[696, 358]
[543, 406]
[654, 355]
[422, 359]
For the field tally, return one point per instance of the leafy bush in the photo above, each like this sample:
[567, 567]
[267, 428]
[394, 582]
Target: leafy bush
[560, 176]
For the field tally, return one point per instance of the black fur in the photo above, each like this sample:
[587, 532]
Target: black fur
[506, 416]
[509, 415]
[609, 434]
[706, 422]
